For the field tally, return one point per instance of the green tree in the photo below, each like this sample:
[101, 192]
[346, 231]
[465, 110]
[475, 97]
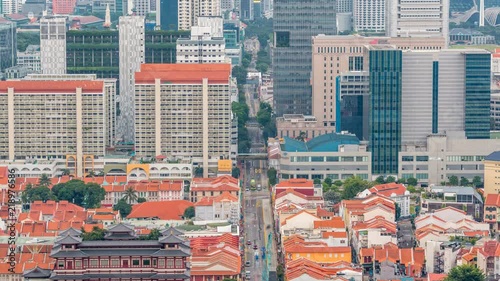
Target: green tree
[380, 180]
[354, 185]
[130, 195]
[153, 235]
[141, 200]
[280, 272]
[332, 196]
[66, 172]
[271, 175]
[198, 172]
[88, 195]
[241, 111]
[464, 181]
[338, 183]
[123, 207]
[44, 180]
[453, 180]
[240, 74]
[262, 67]
[465, 273]
[317, 181]
[38, 193]
[301, 137]
[412, 181]
[95, 235]
[27, 38]
[235, 172]
[477, 181]
[229, 279]
[264, 114]
[390, 179]
[189, 212]
[328, 181]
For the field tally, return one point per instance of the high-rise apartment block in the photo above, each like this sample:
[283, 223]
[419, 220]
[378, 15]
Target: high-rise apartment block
[53, 45]
[63, 7]
[295, 22]
[414, 18]
[206, 45]
[369, 16]
[190, 10]
[55, 119]
[10, 7]
[8, 45]
[131, 40]
[142, 7]
[184, 111]
[335, 56]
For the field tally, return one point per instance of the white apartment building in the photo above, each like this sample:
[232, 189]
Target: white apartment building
[206, 45]
[109, 94]
[56, 119]
[10, 7]
[30, 58]
[190, 10]
[132, 48]
[369, 15]
[414, 18]
[142, 7]
[184, 111]
[53, 45]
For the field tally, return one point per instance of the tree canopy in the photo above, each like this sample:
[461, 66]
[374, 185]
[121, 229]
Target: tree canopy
[96, 234]
[87, 195]
[123, 207]
[189, 212]
[354, 185]
[465, 273]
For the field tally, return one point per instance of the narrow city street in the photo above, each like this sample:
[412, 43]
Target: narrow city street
[257, 201]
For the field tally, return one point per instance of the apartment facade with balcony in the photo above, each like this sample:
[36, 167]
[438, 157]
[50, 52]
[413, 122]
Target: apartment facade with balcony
[184, 111]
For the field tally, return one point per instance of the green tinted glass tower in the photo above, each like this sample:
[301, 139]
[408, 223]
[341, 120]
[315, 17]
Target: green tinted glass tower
[385, 116]
[477, 95]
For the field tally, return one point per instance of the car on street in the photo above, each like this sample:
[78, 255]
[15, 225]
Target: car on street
[249, 242]
[255, 246]
[247, 263]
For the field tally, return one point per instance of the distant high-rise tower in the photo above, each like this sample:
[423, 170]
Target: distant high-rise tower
[132, 48]
[190, 10]
[369, 15]
[385, 67]
[414, 18]
[8, 45]
[53, 45]
[167, 14]
[295, 22]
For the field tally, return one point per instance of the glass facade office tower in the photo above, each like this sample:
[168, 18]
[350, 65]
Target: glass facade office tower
[477, 95]
[385, 118]
[8, 45]
[295, 22]
[168, 14]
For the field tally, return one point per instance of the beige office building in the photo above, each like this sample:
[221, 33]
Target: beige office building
[183, 111]
[492, 174]
[53, 119]
[336, 55]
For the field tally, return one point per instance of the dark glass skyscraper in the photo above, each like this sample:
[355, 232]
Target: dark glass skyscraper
[8, 45]
[169, 19]
[295, 22]
[385, 115]
[477, 95]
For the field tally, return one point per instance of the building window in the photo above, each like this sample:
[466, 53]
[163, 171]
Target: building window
[135, 262]
[146, 262]
[178, 263]
[170, 263]
[161, 263]
[94, 263]
[104, 263]
[78, 264]
[60, 264]
[115, 263]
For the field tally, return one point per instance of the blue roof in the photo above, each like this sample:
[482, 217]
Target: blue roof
[495, 156]
[324, 143]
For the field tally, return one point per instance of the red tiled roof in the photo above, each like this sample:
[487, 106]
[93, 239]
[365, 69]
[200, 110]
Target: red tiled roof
[25, 86]
[296, 183]
[183, 73]
[335, 222]
[163, 210]
[492, 200]
[202, 243]
[436, 276]
[226, 196]
[205, 201]
[388, 189]
[323, 213]
[222, 183]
